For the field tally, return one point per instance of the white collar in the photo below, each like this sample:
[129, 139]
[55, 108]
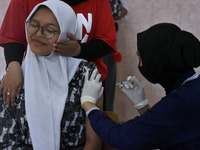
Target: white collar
[194, 76]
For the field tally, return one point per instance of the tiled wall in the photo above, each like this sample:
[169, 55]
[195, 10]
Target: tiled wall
[143, 14]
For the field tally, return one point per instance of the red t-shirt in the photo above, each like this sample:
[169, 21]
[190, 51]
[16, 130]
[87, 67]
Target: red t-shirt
[94, 18]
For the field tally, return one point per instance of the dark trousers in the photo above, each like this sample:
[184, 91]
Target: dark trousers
[109, 83]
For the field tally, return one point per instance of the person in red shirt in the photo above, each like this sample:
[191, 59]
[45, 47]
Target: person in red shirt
[120, 12]
[98, 38]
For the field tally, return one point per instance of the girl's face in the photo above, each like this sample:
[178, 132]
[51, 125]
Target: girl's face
[43, 31]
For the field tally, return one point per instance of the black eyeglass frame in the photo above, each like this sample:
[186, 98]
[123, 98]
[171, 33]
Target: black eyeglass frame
[28, 23]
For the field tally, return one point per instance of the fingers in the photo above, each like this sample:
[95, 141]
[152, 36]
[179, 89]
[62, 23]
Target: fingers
[71, 36]
[15, 95]
[59, 47]
[12, 98]
[70, 47]
[18, 91]
[93, 75]
[130, 83]
[60, 44]
[122, 86]
[129, 78]
[98, 77]
[66, 48]
[136, 82]
[87, 75]
[125, 84]
[101, 92]
[9, 96]
[6, 97]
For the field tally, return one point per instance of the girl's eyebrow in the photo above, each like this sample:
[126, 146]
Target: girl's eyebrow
[48, 24]
[51, 24]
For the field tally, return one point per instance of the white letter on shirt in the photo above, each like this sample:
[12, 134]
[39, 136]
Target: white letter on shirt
[82, 21]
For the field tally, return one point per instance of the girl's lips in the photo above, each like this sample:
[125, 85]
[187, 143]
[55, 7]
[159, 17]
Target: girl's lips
[38, 43]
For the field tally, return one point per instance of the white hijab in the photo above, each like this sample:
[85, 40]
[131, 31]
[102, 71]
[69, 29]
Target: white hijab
[46, 80]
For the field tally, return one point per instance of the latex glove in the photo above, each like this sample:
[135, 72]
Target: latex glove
[135, 91]
[92, 89]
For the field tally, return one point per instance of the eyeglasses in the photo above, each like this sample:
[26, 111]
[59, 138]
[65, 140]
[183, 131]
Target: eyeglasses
[47, 32]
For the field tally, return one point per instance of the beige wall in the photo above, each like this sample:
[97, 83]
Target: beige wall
[3, 7]
[143, 14]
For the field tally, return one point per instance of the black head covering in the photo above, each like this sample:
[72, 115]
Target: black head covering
[167, 52]
[73, 2]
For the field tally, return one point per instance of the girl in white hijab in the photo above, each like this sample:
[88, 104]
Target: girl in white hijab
[52, 85]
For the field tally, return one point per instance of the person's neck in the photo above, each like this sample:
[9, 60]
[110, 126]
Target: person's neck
[180, 81]
[73, 2]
